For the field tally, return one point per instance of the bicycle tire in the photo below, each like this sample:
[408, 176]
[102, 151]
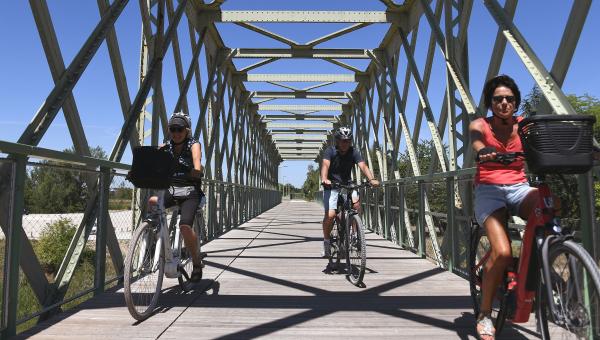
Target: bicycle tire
[568, 291]
[478, 246]
[140, 301]
[356, 251]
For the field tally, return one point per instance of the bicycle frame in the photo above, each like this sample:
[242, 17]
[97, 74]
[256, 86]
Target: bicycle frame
[171, 270]
[539, 223]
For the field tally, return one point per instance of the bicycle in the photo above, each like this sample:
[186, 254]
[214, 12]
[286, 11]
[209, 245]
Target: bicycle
[553, 273]
[347, 236]
[156, 250]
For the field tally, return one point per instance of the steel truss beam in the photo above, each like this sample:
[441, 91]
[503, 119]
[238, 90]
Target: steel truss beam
[278, 125]
[299, 95]
[328, 53]
[300, 108]
[329, 118]
[300, 16]
[299, 131]
[347, 78]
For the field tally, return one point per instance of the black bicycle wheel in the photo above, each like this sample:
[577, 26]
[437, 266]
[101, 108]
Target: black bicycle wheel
[357, 250]
[144, 267]
[478, 252]
[575, 286]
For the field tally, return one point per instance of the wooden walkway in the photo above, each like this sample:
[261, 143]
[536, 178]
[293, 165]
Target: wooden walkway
[266, 279]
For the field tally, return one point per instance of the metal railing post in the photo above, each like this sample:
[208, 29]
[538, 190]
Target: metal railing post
[386, 209]
[589, 237]
[421, 220]
[451, 223]
[101, 226]
[13, 248]
[401, 222]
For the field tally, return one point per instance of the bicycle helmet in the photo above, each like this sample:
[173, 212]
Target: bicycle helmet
[343, 133]
[180, 119]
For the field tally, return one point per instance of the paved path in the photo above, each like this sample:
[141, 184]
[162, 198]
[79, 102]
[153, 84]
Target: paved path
[265, 279]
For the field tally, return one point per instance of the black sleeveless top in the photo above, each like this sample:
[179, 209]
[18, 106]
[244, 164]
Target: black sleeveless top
[184, 161]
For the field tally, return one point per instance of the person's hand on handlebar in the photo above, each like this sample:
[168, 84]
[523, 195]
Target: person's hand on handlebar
[326, 183]
[374, 183]
[486, 154]
[197, 173]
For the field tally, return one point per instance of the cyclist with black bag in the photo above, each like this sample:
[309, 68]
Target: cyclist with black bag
[188, 156]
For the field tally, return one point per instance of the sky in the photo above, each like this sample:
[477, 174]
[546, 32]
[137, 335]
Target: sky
[25, 79]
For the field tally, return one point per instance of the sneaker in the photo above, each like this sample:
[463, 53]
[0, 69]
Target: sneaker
[326, 252]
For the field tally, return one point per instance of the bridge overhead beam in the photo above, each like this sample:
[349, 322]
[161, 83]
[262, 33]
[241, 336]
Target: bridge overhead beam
[257, 77]
[312, 147]
[277, 125]
[299, 95]
[328, 118]
[300, 16]
[299, 131]
[324, 53]
[296, 146]
[295, 139]
[299, 108]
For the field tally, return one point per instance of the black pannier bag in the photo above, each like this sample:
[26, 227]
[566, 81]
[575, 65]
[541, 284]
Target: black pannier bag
[151, 168]
[558, 143]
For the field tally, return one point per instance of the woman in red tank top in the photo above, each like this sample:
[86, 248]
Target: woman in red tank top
[499, 189]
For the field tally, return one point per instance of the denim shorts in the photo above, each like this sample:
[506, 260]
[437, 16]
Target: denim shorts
[491, 197]
[330, 199]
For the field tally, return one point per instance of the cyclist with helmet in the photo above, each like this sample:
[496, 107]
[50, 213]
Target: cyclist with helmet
[337, 166]
[499, 189]
[187, 153]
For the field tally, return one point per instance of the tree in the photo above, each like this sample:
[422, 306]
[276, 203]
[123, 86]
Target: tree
[312, 183]
[436, 192]
[49, 189]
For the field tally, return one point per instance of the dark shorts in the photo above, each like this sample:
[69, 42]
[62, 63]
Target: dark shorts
[187, 205]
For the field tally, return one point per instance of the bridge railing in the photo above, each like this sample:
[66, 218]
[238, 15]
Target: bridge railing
[405, 211]
[55, 256]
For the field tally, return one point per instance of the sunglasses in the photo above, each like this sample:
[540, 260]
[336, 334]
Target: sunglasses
[500, 99]
[176, 129]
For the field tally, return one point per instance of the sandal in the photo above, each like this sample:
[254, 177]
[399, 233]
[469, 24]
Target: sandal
[485, 327]
[196, 273]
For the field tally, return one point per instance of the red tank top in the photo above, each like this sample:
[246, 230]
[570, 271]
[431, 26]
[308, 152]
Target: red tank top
[496, 173]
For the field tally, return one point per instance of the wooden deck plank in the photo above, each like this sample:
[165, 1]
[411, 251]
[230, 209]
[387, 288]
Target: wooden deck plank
[266, 279]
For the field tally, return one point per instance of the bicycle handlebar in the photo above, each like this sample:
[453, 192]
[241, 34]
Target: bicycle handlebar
[349, 186]
[504, 158]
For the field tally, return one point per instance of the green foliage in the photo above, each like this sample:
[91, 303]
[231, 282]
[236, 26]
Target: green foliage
[54, 242]
[312, 183]
[57, 190]
[425, 152]
[52, 190]
[436, 192]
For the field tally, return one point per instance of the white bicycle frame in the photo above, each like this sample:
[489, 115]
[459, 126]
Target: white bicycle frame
[163, 240]
[171, 261]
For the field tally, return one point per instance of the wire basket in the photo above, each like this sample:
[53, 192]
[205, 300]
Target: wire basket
[558, 143]
[151, 168]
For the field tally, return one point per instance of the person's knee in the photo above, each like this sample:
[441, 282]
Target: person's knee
[503, 256]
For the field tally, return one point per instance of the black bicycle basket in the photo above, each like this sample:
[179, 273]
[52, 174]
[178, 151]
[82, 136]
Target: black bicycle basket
[558, 143]
[151, 168]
